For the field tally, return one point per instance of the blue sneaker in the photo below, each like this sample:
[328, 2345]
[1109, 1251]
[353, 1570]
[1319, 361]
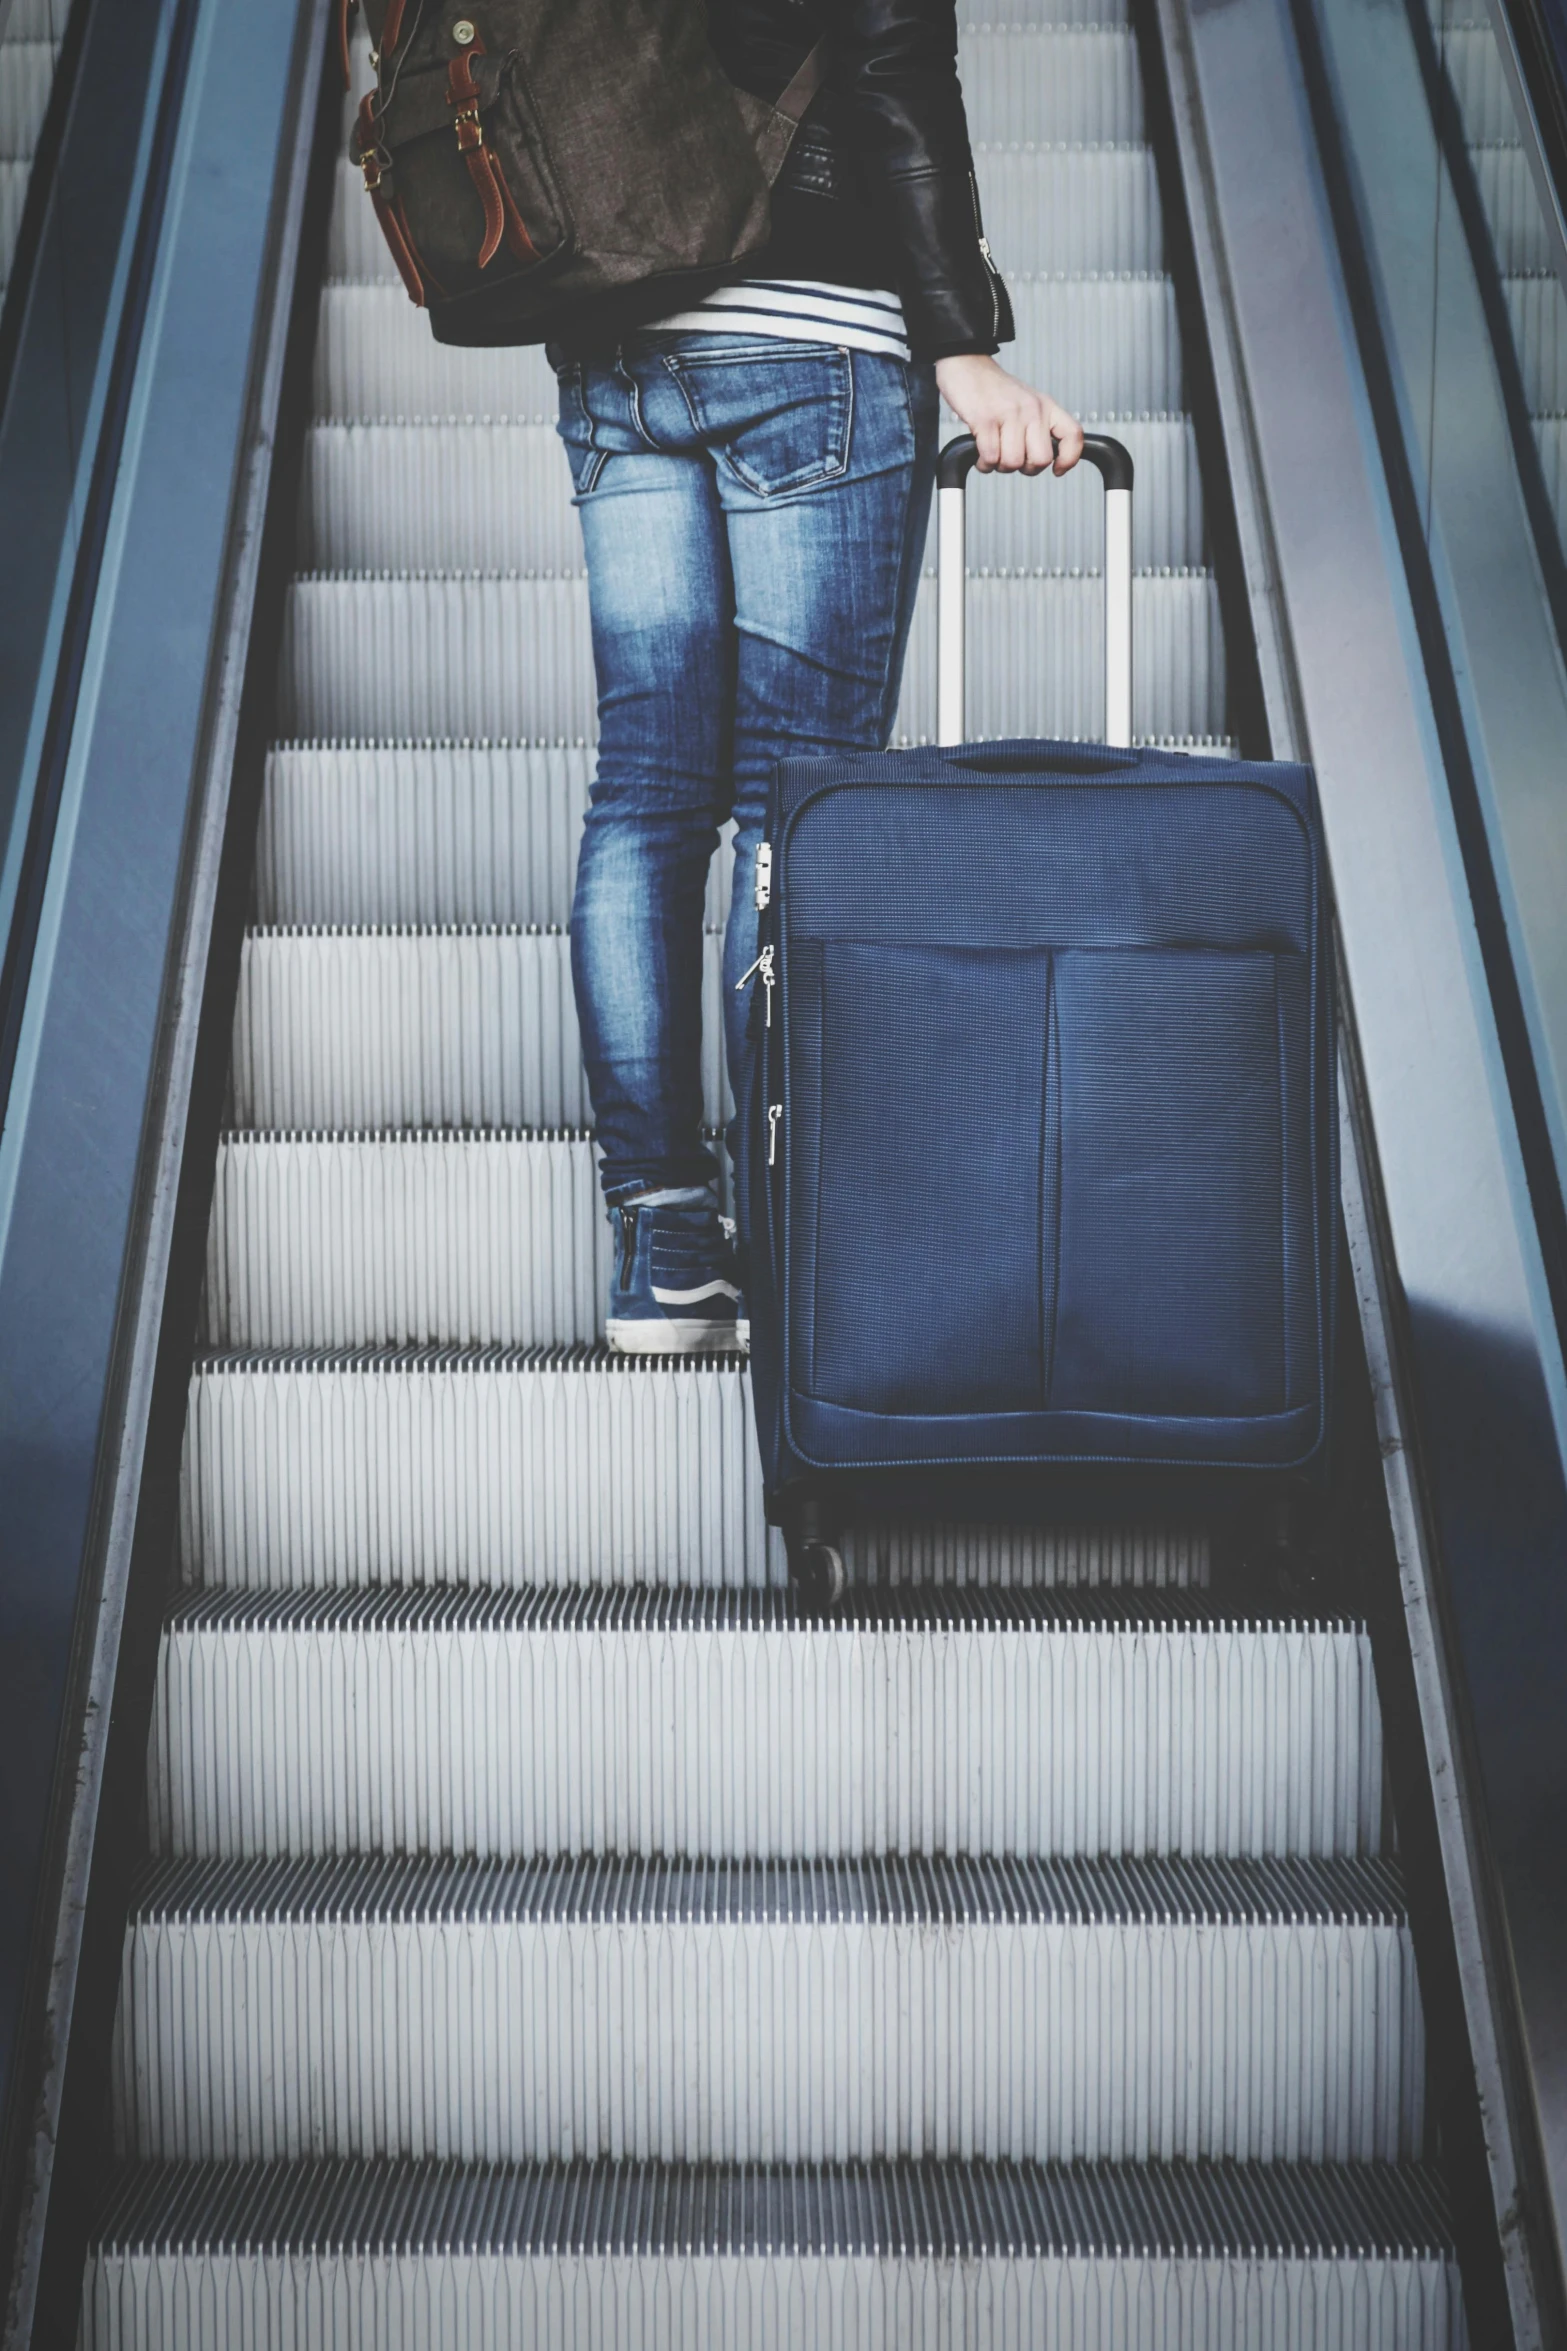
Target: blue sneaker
[675, 1289]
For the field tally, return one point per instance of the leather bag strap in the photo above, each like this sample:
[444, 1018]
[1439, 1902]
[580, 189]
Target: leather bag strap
[807, 81]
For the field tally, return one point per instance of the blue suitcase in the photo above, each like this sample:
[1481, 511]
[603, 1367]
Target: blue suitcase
[1037, 1174]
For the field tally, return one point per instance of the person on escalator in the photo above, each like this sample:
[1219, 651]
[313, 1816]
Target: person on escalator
[753, 479]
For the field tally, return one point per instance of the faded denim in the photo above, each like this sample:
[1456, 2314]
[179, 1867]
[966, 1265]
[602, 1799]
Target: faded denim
[754, 516]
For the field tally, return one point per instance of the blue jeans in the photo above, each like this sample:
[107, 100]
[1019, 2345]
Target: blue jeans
[754, 515]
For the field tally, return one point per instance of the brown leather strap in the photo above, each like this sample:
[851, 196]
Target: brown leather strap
[797, 97]
[501, 217]
[389, 213]
[391, 31]
[343, 58]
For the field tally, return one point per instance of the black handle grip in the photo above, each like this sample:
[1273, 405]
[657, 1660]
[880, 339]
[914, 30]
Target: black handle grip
[1112, 458]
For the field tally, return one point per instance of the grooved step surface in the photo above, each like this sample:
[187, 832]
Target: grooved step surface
[471, 1027]
[699, 2012]
[503, 657]
[1114, 340]
[843, 2258]
[496, 1470]
[357, 1241]
[412, 833]
[522, 1725]
[496, 497]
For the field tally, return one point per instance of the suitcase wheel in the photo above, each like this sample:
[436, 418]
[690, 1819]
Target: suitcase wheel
[820, 1576]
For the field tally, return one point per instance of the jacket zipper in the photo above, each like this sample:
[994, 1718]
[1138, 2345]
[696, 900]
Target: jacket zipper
[992, 274]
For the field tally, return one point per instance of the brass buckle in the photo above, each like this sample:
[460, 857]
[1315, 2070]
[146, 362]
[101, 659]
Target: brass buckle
[370, 165]
[469, 129]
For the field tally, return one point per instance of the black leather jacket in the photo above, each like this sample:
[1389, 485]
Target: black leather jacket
[879, 188]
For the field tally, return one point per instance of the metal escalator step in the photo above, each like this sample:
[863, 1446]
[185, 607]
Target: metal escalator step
[509, 658]
[1550, 433]
[475, 497]
[1036, 660]
[444, 1027]
[452, 1240]
[1474, 67]
[1072, 211]
[1518, 227]
[26, 78]
[1537, 306]
[497, 1469]
[770, 2011]
[471, 1468]
[479, 656]
[997, 2257]
[447, 833]
[497, 497]
[407, 833]
[1040, 86]
[567, 1722]
[1107, 343]
[36, 20]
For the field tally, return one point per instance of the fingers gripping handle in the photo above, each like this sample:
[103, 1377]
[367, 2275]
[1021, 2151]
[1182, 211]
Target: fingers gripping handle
[1114, 464]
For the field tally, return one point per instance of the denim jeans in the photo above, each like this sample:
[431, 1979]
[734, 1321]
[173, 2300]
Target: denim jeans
[754, 515]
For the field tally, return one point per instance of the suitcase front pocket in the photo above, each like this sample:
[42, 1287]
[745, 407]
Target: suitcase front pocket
[1186, 1248]
[926, 1286]
[1032, 1181]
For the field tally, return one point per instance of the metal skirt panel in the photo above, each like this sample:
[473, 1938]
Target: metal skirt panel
[1111, 341]
[496, 2040]
[1036, 659]
[370, 2301]
[454, 1240]
[374, 1029]
[504, 1475]
[816, 1740]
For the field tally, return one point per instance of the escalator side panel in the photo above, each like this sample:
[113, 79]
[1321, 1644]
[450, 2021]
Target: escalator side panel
[95, 1213]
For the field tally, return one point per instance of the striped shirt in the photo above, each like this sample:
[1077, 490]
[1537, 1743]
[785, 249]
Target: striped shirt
[798, 310]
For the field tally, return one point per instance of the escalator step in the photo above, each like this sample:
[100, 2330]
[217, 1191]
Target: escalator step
[1113, 339]
[420, 834]
[503, 658]
[496, 497]
[455, 1240]
[700, 2011]
[363, 1030]
[1046, 85]
[1160, 2257]
[534, 1723]
[504, 1468]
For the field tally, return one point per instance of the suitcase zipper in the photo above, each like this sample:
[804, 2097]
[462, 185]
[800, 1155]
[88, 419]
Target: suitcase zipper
[774, 1114]
[764, 965]
[764, 876]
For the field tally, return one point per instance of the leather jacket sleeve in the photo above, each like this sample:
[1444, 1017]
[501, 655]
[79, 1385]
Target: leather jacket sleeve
[896, 104]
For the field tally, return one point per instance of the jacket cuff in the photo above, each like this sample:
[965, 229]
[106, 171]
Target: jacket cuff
[953, 295]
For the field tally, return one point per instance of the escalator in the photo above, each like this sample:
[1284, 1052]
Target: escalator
[541, 1925]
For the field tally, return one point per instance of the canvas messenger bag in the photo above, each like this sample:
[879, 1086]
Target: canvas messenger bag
[550, 167]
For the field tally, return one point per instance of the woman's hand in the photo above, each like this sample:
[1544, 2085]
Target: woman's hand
[1017, 430]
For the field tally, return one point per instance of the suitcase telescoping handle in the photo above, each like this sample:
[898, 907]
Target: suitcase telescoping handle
[1115, 467]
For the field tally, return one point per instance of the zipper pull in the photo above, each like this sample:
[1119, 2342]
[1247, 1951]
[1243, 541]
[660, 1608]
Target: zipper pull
[765, 959]
[774, 1114]
[749, 974]
[764, 875]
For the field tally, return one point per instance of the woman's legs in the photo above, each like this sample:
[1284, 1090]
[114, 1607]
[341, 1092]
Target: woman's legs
[754, 513]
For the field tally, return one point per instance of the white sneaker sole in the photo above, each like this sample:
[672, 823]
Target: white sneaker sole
[670, 1336]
